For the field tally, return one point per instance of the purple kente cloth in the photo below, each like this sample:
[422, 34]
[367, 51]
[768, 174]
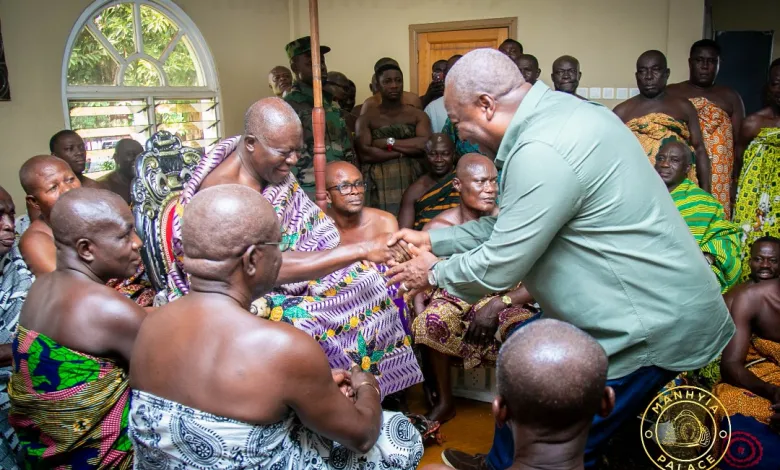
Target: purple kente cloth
[348, 312]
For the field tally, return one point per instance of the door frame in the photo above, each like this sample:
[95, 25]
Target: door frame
[414, 29]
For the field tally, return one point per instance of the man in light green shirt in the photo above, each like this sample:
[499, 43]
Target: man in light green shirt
[586, 224]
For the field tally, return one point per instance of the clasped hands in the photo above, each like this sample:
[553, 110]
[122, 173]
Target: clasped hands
[408, 254]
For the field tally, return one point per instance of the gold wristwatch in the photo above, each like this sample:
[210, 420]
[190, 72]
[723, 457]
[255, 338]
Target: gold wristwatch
[507, 300]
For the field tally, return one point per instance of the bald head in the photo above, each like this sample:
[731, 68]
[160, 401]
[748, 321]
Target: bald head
[220, 224]
[339, 172]
[551, 376]
[85, 212]
[270, 116]
[657, 57]
[32, 170]
[566, 59]
[280, 80]
[480, 72]
[472, 163]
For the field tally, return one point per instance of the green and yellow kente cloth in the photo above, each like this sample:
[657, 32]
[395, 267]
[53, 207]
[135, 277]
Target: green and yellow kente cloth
[438, 199]
[69, 409]
[714, 234]
[757, 207]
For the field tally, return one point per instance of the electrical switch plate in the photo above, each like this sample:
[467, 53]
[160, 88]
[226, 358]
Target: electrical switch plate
[633, 92]
[608, 93]
[594, 93]
[622, 94]
[582, 92]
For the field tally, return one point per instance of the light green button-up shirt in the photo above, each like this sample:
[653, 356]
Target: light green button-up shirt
[589, 227]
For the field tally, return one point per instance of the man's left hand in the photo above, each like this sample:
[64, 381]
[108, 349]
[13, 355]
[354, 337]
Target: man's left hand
[483, 327]
[343, 379]
[413, 274]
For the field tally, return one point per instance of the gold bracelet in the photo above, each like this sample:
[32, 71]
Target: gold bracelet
[370, 385]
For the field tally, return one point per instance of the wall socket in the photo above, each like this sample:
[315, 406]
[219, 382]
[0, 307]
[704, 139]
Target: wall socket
[582, 92]
[622, 94]
[594, 93]
[608, 93]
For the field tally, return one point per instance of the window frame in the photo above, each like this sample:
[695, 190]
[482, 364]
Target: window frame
[206, 67]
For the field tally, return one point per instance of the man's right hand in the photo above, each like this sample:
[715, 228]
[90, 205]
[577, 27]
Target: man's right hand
[360, 378]
[435, 90]
[405, 237]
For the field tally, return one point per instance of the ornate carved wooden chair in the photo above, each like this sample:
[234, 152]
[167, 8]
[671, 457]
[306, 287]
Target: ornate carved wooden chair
[161, 172]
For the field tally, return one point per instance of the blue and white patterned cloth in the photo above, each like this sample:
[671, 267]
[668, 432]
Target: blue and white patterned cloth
[15, 281]
[168, 435]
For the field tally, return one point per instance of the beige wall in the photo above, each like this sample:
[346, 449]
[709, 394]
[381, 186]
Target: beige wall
[246, 38]
[605, 35]
[748, 15]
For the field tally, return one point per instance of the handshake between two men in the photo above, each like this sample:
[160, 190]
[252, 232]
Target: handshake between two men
[408, 254]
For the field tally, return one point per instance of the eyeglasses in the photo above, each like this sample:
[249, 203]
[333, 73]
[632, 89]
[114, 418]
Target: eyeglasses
[346, 188]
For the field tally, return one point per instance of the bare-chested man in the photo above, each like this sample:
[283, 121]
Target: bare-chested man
[280, 80]
[69, 146]
[44, 178]
[75, 340]
[756, 207]
[433, 192]
[448, 327]
[750, 388]
[407, 98]
[120, 180]
[190, 362]
[566, 75]
[721, 113]
[655, 116]
[323, 288]
[764, 265]
[551, 383]
[529, 67]
[346, 198]
[391, 141]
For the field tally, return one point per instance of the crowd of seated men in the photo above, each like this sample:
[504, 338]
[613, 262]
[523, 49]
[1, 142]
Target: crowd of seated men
[93, 376]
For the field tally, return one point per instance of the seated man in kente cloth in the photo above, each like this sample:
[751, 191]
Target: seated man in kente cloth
[324, 288]
[209, 389]
[449, 327]
[655, 116]
[764, 265]
[15, 282]
[432, 193]
[69, 390]
[718, 238]
[355, 222]
[45, 178]
[391, 142]
[750, 369]
[721, 113]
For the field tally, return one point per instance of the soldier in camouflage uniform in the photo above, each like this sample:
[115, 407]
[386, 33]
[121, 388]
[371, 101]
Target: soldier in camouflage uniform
[338, 138]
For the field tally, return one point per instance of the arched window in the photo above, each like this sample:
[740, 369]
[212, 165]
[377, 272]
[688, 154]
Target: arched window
[135, 67]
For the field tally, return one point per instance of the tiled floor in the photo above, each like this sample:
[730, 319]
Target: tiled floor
[470, 431]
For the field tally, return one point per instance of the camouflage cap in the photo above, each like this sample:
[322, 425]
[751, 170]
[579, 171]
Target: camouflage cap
[301, 45]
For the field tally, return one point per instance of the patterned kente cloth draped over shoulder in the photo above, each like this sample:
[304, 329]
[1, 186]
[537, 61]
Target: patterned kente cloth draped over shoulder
[718, 137]
[758, 196]
[656, 129]
[169, 435]
[714, 234]
[754, 444]
[70, 410]
[438, 199]
[387, 181]
[348, 311]
[444, 322]
[136, 288]
[462, 147]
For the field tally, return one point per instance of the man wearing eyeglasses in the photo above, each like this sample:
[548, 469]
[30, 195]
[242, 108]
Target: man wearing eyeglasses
[346, 191]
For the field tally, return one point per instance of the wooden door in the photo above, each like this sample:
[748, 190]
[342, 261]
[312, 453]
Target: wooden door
[441, 45]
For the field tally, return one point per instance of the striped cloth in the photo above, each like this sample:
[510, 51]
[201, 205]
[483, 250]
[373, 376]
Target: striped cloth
[388, 180]
[438, 199]
[715, 235]
[70, 410]
[348, 312]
